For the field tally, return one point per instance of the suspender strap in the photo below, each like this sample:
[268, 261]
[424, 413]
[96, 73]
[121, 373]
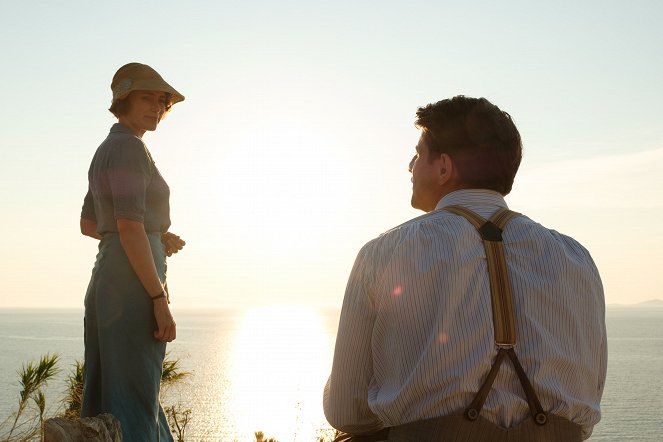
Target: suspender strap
[504, 322]
[535, 407]
[472, 412]
[500, 287]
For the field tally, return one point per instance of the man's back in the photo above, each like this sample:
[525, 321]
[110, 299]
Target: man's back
[417, 329]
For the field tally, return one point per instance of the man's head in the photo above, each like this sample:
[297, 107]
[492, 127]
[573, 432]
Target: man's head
[470, 137]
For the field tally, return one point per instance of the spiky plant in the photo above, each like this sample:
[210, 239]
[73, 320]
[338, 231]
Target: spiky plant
[171, 372]
[74, 394]
[33, 377]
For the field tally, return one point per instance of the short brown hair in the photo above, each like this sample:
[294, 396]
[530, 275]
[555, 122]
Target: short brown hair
[481, 139]
[121, 107]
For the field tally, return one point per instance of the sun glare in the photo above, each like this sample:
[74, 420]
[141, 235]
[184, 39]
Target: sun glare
[287, 178]
[281, 359]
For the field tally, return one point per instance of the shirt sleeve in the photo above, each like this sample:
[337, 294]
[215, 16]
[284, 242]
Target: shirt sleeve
[129, 174]
[345, 397]
[87, 212]
[602, 354]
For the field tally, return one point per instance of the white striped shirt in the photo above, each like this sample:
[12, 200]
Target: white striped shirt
[416, 341]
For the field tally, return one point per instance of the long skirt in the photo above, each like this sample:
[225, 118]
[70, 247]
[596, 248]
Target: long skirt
[123, 360]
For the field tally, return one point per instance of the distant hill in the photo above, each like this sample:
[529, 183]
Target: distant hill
[650, 303]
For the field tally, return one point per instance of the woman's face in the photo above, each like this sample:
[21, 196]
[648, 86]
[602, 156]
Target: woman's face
[145, 111]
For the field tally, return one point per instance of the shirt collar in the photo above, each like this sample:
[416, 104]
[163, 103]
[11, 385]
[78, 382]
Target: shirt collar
[482, 201]
[120, 128]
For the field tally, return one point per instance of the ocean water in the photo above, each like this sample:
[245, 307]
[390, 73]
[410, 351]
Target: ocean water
[632, 405]
[264, 369]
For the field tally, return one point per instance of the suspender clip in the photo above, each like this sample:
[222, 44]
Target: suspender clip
[490, 232]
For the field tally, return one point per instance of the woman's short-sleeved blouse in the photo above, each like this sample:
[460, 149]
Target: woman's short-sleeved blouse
[124, 182]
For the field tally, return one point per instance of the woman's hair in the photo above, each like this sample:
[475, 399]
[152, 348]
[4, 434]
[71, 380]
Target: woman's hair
[482, 140]
[121, 107]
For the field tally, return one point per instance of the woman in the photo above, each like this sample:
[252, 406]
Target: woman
[127, 318]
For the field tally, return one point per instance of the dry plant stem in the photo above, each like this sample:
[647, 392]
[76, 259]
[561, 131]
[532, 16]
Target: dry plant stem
[177, 426]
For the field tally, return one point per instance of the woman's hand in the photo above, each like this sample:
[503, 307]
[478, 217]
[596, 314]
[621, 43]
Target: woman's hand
[89, 228]
[167, 329]
[172, 242]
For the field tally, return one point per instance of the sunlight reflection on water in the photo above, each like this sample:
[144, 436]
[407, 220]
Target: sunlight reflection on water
[279, 364]
[263, 370]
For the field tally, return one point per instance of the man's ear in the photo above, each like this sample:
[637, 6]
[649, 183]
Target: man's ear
[446, 168]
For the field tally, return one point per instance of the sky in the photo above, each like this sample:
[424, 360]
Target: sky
[291, 148]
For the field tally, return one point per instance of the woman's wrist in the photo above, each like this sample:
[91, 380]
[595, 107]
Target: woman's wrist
[160, 295]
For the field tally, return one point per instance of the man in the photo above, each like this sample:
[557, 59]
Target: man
[417, 336]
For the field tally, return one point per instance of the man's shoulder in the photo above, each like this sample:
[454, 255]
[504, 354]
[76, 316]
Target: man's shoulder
[523, 233]
[445, 226]
[432, 223]
[523, 223]
[415, 222]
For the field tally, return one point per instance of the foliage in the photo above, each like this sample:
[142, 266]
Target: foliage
[32, 378]
[74, 394]
[171, 372]
[327, 434]
[323, 435]
[178, 420]
[260, 437]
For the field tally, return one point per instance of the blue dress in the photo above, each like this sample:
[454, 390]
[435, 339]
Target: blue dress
[123, 360]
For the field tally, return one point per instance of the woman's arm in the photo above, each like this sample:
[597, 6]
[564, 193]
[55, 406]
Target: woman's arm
[137, 247]
[89, 228]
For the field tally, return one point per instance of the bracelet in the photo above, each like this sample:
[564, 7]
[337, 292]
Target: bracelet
[159, 296]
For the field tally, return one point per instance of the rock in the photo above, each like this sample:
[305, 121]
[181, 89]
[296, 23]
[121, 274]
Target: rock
[103, 428]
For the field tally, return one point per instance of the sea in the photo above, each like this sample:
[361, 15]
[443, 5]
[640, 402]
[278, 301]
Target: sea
[264, 370]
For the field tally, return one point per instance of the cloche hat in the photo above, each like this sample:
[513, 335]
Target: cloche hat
[141, 77]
